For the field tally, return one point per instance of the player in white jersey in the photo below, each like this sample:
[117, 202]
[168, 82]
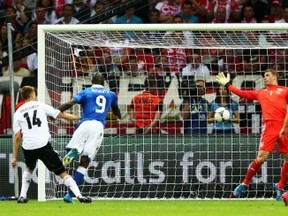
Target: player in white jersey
[31, 127]
[87, 138]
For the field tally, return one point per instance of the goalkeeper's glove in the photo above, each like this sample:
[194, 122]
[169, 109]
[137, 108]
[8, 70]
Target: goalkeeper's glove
[223, 80]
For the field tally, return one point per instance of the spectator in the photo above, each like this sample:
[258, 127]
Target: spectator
[4, 38]
[223, 99]
[11, 17]
[154, 16]
[231, 62]
[248, 14]
[231, 10]
[145, 59]
[220, 15]
[131, 67]
[200, 9]
[31, 61]
[84, 61]
[194, 107]
[186, 13]
[109, 70]
[2, 54]
[276, 12]
[81, 11]
[195, 67]
[168, 9]
[260, 7]
[210, 57]
[50, 15]
[129, 17]
[255, 61]
[98, 9]
[136, 76]
[162, 74]
[18, 70]
[31, 33]
[144, 11]
[67, 17]
[284, 33]
[146, 109]
[23, 13]
[176, 59]
[39, 18]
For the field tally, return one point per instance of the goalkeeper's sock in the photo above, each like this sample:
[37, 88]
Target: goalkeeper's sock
[71, 184]
[254, 168]
[78, 177]
[26, 180]
[284, 175]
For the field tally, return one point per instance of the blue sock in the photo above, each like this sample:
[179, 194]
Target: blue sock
[78, 177]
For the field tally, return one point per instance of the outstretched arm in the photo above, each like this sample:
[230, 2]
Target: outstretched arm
[68, 116]
[225, 81]
[67, 105]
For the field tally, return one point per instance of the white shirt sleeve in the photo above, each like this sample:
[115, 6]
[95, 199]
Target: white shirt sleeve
[51, 111]
[16, 125]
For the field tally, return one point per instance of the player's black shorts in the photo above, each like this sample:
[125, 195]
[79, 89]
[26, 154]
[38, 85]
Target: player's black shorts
[47, 155]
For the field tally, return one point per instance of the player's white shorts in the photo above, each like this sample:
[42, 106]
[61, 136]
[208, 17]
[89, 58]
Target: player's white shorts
[87, 138]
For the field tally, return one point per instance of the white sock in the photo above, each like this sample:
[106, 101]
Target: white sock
[71, 184]
[26, 180]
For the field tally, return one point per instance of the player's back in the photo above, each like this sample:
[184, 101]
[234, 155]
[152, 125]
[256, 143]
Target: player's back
[31, 119]
[96, 102]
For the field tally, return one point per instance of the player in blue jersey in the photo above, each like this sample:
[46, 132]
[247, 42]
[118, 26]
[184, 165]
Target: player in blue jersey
[87, 138]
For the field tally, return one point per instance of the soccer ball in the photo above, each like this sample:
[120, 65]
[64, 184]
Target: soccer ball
[221, 114]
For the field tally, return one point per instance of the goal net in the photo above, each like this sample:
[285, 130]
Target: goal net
[189, 157]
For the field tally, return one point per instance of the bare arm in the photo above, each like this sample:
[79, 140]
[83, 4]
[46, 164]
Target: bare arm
[117, 112]
[17, 144]
[68, 116]
[210, 117]
[236, 117]
[165, 19]
[185, 110]
[199, 8]
[155, 122]
[132, 115]
[67, 105]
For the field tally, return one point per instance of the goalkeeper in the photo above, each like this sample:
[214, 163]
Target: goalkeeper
[273, 100]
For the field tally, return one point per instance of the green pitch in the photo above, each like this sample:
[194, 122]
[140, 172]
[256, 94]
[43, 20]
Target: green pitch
[146, 208]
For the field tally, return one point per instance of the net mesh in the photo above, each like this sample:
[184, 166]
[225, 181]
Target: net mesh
[172, 163]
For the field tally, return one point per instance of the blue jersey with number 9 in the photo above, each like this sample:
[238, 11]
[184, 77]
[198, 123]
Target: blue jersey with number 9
[96, 102]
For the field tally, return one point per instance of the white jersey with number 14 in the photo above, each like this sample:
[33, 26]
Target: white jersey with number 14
[31, 119]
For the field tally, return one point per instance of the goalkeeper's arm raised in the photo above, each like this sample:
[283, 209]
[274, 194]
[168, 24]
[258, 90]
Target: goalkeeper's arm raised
[225, 81]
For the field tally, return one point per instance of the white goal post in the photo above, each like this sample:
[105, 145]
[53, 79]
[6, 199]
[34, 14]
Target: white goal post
[180, 166]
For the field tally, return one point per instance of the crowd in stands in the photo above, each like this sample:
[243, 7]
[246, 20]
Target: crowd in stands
[114, 63]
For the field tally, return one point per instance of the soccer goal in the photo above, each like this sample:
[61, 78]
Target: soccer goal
[173, 163]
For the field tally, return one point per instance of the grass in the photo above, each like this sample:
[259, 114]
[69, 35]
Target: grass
[146, 208]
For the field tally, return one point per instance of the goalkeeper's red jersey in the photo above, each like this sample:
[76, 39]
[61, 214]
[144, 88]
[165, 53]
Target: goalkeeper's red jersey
[273, 100]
